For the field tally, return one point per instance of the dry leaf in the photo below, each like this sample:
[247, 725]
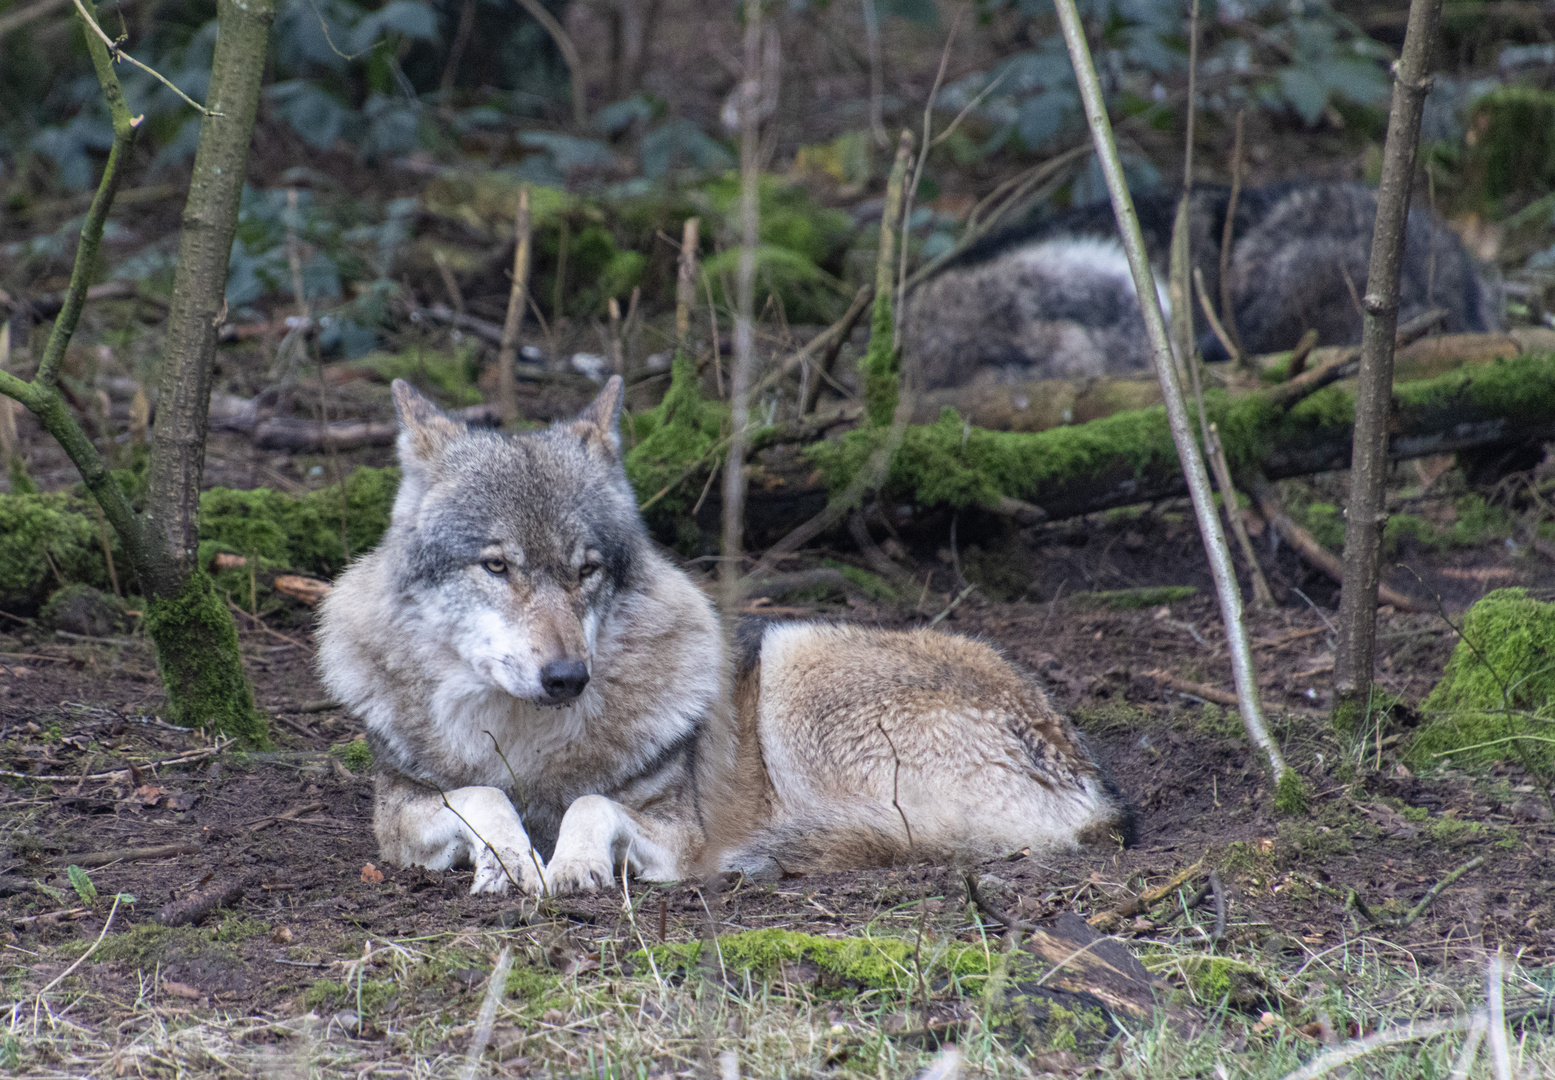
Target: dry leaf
[181, 800]
[149, 794]
[283, 935]
[371, 874]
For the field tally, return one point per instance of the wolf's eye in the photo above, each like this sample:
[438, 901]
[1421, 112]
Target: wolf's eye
[588, 570]
[495, 566]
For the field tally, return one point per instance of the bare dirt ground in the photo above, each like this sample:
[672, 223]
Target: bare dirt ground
[293, 826]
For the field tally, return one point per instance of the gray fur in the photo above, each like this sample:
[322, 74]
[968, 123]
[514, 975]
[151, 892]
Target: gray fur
[1045, 300]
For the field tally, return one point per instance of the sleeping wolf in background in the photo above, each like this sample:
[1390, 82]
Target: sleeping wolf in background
[547, 697]
[1055, 299]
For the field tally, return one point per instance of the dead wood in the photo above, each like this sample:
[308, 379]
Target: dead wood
[1193, 689]
[141, 854]
[1315, 554]
[1104, 921]
[194, 907]
[49, 918]
[309, 590]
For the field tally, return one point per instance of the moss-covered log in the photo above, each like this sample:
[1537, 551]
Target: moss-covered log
[1129, 457]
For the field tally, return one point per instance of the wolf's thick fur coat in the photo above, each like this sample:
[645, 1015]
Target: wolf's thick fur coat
[1053, 298]
[510, 559]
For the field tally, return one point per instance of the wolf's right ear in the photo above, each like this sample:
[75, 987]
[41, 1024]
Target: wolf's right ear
[424, 428]
[600, 423]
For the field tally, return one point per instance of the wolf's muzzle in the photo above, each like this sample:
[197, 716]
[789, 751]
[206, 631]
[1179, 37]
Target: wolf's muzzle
[563, 680]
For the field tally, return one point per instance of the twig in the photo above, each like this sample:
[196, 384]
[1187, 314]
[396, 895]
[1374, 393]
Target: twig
[1435, 891]
[997, 914]
[952, 606]
[507, 353]
[1220, 905]
[1262, 596]
[119, 54]
[831, 339]
[49, 918]
[127, 855]
[182, 759]
[1194, 472]
[83, 958]
[496, 989]
[569, 51]
[1227, 231]
[1470, 1050]
[686, 280]
[1330, 1060]
[1106, 920]
[1193, 689]
[1496, 1007]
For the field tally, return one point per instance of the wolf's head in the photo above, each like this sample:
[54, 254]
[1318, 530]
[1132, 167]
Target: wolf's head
[512, 548]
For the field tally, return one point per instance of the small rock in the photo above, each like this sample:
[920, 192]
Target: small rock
[348, 1019]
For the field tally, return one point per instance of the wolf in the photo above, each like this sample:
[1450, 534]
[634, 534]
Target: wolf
[552, 701]
[1054, 298]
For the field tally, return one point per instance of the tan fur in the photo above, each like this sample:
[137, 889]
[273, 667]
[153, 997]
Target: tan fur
[839, 747]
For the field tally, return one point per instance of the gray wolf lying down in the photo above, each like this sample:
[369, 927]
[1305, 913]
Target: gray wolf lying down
[549, 698]
[1053, 298]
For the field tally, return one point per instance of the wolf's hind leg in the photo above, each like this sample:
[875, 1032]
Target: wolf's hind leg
[477, 825]
[598, 837]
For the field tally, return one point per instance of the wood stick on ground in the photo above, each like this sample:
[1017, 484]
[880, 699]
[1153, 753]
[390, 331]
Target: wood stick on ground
[836, 337]
[1305, 383]
[1330, 1060]
[1262, 597]
[83, 958]
[833, 336]
[1365, 510]
[518, 303]
[49, 918]
[1194, 472]
[1105, 921]
[115, 774]
[1315, 554]
[1194, 689]
[126, 855]
[1214, 323]
[196, 906]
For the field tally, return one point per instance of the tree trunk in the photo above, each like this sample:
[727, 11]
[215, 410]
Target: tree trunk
[1355, 653]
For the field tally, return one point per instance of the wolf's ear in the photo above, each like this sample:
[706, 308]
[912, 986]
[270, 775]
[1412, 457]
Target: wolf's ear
[600, 423]
[424, 429]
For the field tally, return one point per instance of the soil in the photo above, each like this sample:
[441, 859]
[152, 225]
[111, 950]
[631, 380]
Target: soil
[293, 826]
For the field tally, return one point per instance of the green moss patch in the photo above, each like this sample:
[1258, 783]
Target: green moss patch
[673, 445]
[1496, 698]
[845, 963]
[46, 541]
[201, 666]
[354, 755]
[1133, 599]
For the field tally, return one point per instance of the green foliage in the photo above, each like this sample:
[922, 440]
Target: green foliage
[882, 364]
[1291, 797]
[449, 377]
[1134, 599]
[45, 535]
[202, 669]
[682, 430]
[849, 962]
[872, 585]
[354, 754]
[1496, 698]
[82, 884]
[1510, 153]
[84, 610]
[1325, 522]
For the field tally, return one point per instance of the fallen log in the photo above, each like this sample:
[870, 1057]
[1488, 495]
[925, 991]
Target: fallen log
[1128, 458]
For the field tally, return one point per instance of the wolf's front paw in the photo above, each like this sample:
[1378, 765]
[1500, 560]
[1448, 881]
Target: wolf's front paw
[496, 870]
[577, 873]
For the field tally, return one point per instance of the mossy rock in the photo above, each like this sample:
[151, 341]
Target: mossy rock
[81, 609]
[1496, 698]
[47, 540]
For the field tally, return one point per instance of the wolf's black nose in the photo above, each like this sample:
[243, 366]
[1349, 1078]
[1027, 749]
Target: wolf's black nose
[563, 680]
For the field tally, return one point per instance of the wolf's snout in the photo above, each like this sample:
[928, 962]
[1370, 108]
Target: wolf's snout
[564, 679]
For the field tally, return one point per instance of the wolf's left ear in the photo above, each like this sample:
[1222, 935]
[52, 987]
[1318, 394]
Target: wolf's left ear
[600, 423]
[424, 428]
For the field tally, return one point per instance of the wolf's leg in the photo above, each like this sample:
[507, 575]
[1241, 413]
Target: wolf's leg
[478, 825]
[599, 836]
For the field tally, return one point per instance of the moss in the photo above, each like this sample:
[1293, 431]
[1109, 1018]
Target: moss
[872, 585]
[354, 755]
[448, 377]
[1509, 150]
[535, 986]
[880, 963]
[1134, 599]
[1325, 522]
[47, 540]
[1290, 795]
[1356, 720]
[1111, 715]
[21, 479]
[147, 944]
[84, 610]
[202, 669]
[882, 363]
[1496, 698]
[373, 995]
[684, 429]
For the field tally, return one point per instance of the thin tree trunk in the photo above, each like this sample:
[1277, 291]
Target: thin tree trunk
[518, 302]
[1356, 650]
[743, 370]
[1288, 794]
[686, 281]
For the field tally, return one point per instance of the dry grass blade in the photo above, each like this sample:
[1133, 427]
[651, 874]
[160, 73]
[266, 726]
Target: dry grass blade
[1500, 1055]
[83, 958]
[496, 989]
[1328, 1061]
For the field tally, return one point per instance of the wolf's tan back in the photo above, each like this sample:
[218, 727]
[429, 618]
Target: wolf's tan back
[882, 745]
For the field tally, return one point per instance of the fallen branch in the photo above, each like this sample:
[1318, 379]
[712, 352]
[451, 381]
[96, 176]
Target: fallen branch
[1104, 921]
[306, 589]
[1330, 1060]
[196, 906]
[1401, 921]
[49, 918]
[1193, 689]
[126, 773]
[1345, 364]
[126, 855]
[1316, 555]
[292, 814]
[83, 958]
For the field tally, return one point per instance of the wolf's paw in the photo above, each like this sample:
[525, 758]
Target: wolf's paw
[495, 871]
[578, 873]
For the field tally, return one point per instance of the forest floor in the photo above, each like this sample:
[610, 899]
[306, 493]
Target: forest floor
[331, 964]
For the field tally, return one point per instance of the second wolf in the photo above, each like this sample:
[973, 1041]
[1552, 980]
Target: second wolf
[548, 698]
[1054, 298]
